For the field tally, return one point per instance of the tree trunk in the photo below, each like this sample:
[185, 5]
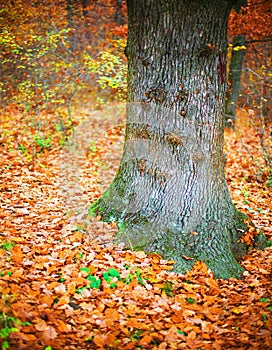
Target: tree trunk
[235, 72]
[85, 12]
[170, 193]
[70, 19]
[70, 13]
[118, 16]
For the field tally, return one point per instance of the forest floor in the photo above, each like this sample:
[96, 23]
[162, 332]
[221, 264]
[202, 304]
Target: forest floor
[64, 285]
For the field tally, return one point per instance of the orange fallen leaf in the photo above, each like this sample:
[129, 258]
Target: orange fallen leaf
[17, 254]
[47, 299]
[155, 258]
[50, 333]
[65, 299]
[191, 335]
[41, 326]
[25, 336]
[99, 340]
[146, 340]
[135, 323]
[63, 327]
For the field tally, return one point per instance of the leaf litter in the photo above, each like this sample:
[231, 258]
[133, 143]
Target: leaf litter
[71, 288]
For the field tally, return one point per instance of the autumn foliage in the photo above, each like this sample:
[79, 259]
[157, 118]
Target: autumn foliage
[254, 23]
[63, 283]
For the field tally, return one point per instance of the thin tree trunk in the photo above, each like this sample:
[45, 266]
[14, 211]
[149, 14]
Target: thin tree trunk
[85, 12]
[118, 17]
[235, 72]
[70, 15]
[170, 193]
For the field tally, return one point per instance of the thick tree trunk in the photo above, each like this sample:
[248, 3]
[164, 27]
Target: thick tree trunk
[170, 193]
[235, 72]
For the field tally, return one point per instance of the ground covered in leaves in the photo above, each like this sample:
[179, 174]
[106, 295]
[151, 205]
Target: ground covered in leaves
[63, 283]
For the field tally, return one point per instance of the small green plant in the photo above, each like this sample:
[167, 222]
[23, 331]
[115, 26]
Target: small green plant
[136, 334]
[56, 300]
[7, 245]
[265, 300]
[129, 278]
[268, 182]
[8, 325]
[168, 288]
[138, 273]
[190, 300]
[264, 317]
[245, 193]
[85, 269]
[89, 340]
[94, 282]
[80, 256]
[23, 149]
[81, 289]
[92, 147]
[134, 275]
[42, 142]
[110, 275]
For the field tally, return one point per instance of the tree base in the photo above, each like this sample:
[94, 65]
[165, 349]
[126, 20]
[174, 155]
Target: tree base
[218, 245]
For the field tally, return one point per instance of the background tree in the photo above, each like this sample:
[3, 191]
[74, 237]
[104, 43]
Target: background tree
[54, 53]
[170, 193]
[46, 48]
[250, 38]
[234, 77]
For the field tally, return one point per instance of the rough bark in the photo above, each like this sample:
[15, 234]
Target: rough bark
[235, 72]
[170, 193]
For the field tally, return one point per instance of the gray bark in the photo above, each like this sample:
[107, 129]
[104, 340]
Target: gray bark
[170, 193]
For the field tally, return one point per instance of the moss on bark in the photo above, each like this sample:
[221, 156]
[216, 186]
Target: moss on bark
[219, 245]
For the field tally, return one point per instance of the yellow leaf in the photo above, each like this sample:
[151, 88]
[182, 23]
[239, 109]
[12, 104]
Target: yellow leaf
[238, 48]
[236, 311]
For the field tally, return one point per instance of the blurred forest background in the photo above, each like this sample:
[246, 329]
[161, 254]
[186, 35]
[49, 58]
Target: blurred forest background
[57, 56]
